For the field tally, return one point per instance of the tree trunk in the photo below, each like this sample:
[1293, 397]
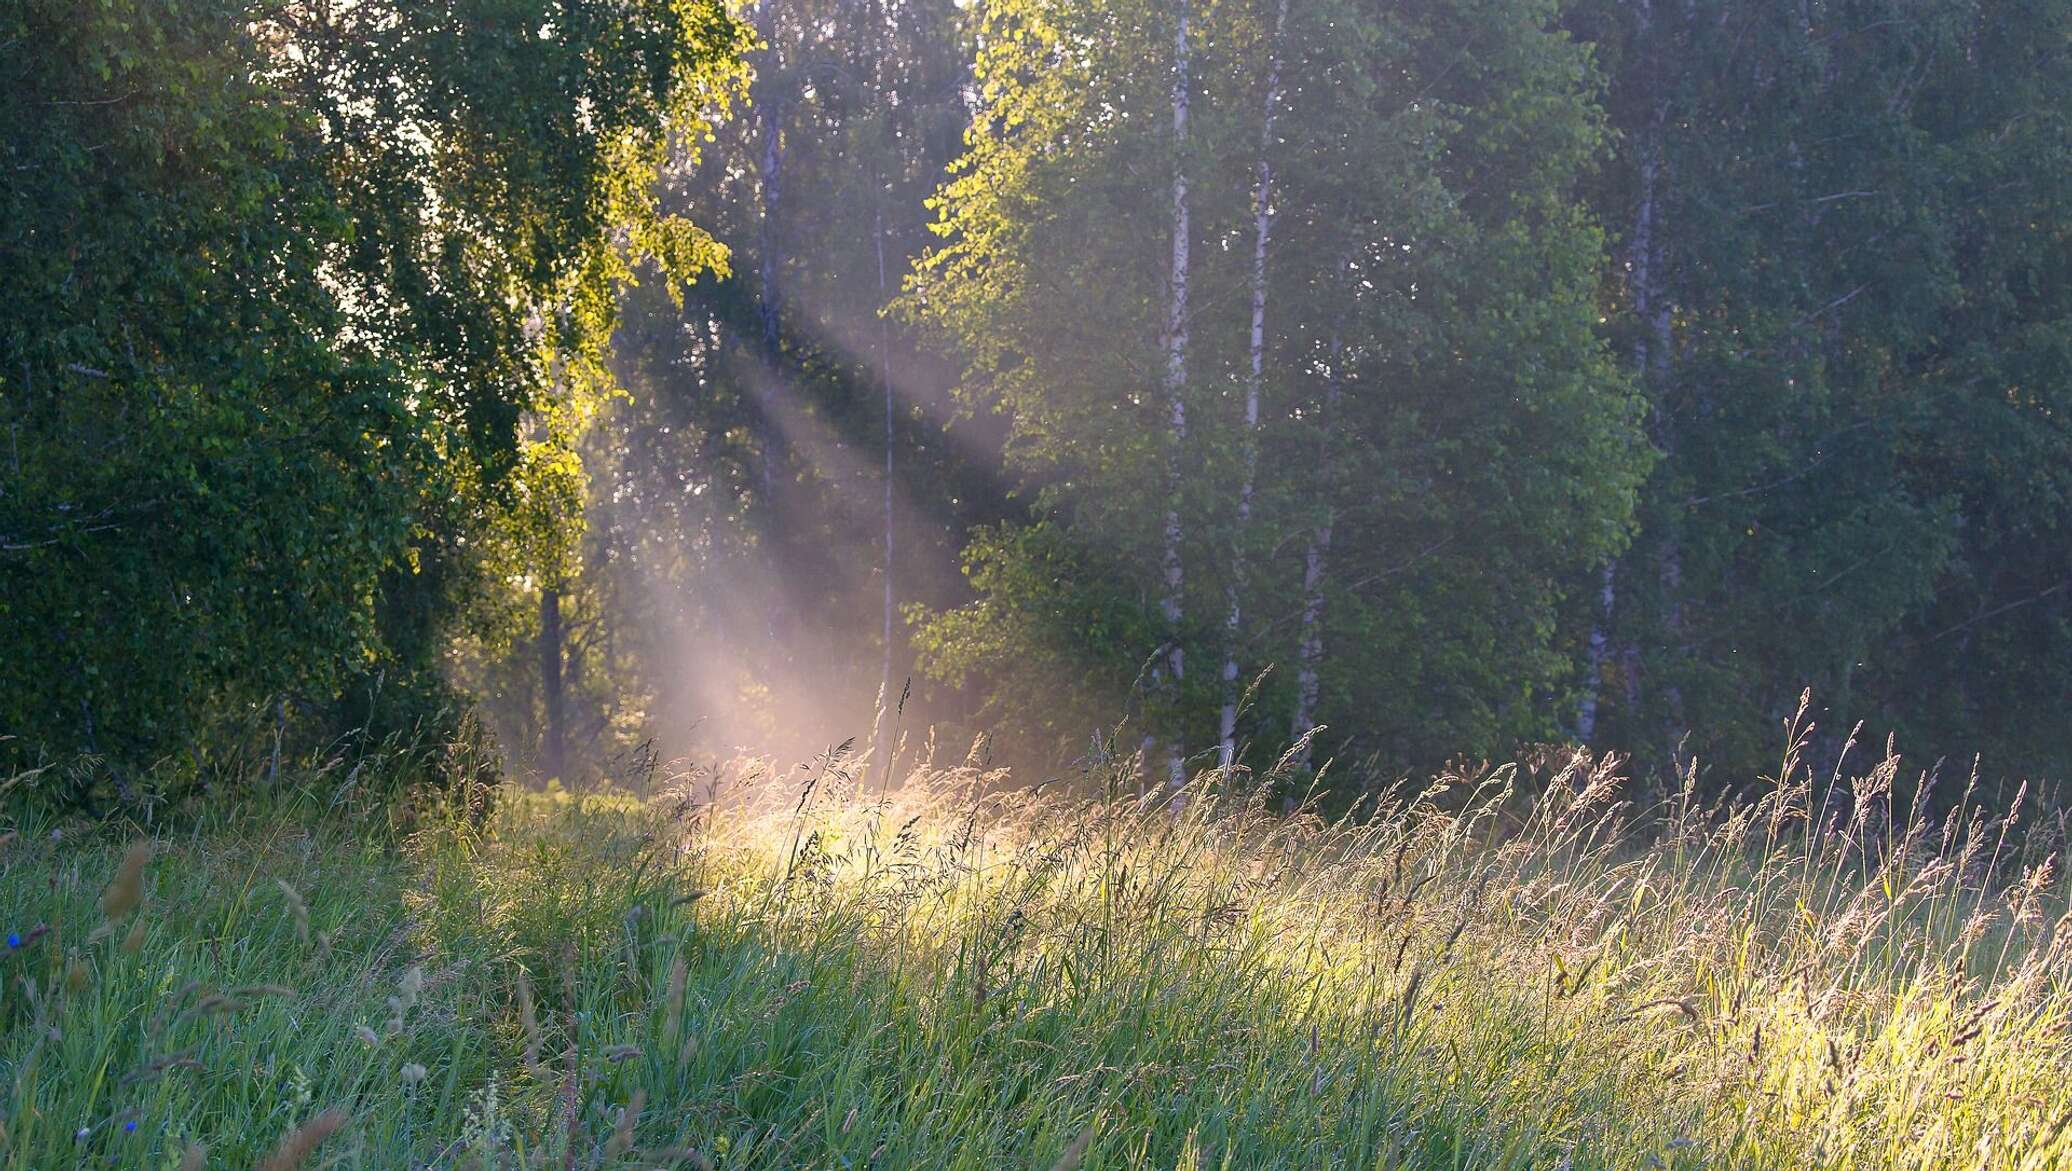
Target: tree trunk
[1309, 652]
[1647, 352]
[770, 191]
[1651, 355]
[768, 374]
[1654, 354]
[1171, 604]
[885, 700]
[553, 742]
[1600, 642]
[1262, 227]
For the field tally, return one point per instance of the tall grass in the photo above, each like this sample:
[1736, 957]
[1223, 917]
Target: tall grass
[745, 972]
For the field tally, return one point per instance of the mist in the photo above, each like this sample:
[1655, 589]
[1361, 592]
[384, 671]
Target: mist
[1201, 392]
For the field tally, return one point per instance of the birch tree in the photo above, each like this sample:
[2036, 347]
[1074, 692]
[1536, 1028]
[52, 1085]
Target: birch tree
[1262, 227]
[1457, 281]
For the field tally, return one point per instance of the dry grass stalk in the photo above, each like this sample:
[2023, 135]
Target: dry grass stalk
[126, 892]
[302, 1142]
[1072, 1156]
[529, 1019]
[679, 978]
[298, 909]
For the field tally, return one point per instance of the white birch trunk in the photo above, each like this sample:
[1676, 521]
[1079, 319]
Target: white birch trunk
[1262, 228]
[1171, 605]
[1309, 652]
[1600, 642]
[885, 697]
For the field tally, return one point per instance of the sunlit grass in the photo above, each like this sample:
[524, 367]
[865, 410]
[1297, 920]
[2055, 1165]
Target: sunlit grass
[965, 974]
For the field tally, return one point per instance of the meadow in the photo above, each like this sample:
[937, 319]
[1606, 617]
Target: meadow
[735, 967]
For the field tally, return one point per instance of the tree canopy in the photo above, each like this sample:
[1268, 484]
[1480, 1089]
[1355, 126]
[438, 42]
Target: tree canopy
[306, 305]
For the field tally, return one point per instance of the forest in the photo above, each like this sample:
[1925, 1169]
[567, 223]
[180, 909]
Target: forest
[977, 583]
[1400, 386]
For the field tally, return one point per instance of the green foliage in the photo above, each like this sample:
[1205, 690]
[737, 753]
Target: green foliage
[1858, 379]
[304, 311]
[1434, 387]
[1054, 638]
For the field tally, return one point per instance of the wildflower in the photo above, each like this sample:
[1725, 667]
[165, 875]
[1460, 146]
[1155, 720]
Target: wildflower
[130, 1127]
[14, 940]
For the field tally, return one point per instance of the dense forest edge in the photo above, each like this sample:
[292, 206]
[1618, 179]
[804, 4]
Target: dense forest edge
[1393, 388]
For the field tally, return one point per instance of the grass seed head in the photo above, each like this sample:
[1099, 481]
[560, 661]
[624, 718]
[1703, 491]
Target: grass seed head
[679, 977]
[622, 1134]
[126, 892]
[399, 1005]
[298, 909]
[529, 1019]
[299, 1144]
[1075, 1153]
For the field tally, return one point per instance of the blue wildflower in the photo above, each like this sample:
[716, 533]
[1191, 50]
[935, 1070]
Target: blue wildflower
[13, 940]
[130, 1127]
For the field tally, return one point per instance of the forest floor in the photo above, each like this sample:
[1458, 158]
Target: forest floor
[961, 977]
